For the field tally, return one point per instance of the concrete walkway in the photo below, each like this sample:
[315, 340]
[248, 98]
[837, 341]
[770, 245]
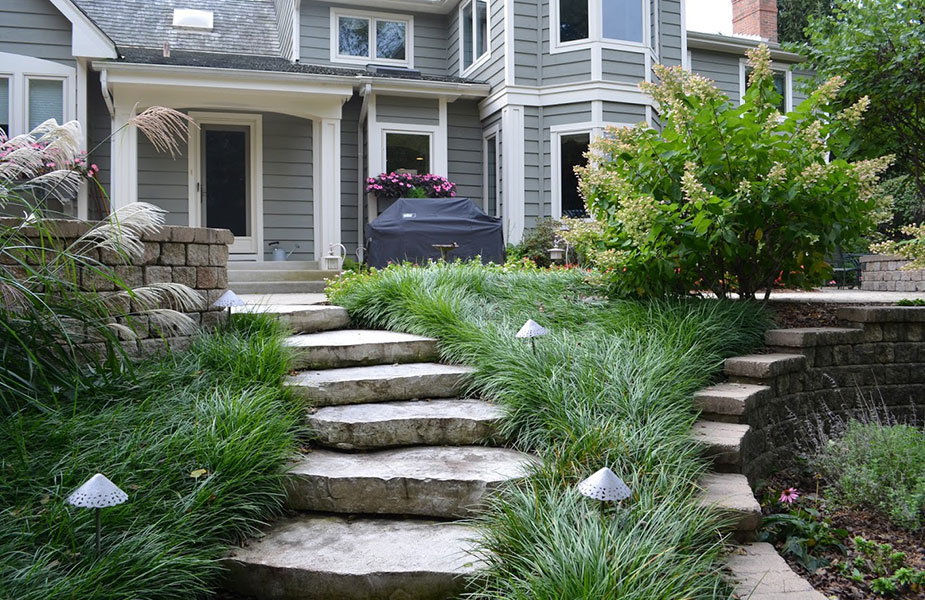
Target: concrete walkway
[844, 296]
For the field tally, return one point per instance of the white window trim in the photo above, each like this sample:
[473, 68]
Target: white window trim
[336, 57]
[486, 56]
[596, 32]
[492, 132]
[19, 70]
[431, 131]
[254, 246]
[788, 83]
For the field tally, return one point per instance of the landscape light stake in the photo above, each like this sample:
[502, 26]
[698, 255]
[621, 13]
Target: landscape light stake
[98, 493]
[532, 329]
[227, 300]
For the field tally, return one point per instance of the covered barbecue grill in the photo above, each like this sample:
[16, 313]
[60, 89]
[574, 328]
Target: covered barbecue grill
[409, 228]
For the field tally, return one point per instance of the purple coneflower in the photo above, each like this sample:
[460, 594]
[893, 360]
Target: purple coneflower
[789, 495]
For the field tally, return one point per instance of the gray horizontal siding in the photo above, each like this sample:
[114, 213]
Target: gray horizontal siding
[565, 114]
[349, 176]
[534, 167]
[98, 130]
[287, 185]
[619, 112]
[619, 65]
[669, 44]
[35, 28]
[801, 81]
[527, 42]
[164, 181]
[721, 68]
[396, 109]
[430, 36]
[464, 149]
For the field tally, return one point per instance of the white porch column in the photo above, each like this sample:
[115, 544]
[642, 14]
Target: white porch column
[124, 159]
[512, 172]
[326, 152]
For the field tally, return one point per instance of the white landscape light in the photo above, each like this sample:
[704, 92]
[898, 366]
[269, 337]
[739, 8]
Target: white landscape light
[98, 492]
[605, 486]
[532, 329]
[227, 300]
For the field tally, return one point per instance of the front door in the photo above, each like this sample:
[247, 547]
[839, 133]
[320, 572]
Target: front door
[225, 196]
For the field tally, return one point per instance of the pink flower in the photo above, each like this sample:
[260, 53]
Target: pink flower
[789, 495]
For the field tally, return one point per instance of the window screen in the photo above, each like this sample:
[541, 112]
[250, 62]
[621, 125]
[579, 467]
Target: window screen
[46, 101]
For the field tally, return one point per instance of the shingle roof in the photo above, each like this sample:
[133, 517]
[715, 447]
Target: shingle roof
[240, 26]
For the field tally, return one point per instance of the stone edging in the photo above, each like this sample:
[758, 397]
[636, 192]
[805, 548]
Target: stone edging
[809, 374]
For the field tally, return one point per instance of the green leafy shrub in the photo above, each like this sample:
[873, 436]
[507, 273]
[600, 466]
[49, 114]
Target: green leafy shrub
[880, 566]
[536, 243]
[907, 206]
[878, 467]
[804, 533]
[728, 198]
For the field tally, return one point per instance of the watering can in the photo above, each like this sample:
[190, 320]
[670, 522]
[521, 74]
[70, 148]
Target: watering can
[279, 254]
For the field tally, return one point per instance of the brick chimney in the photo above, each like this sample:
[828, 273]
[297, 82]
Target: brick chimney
[755, 17]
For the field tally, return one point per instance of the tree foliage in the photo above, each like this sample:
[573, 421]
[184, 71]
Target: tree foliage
[728, 198]
[879, 47]
[793, 17]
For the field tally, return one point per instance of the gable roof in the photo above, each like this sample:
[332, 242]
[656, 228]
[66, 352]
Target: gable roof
[240, 26]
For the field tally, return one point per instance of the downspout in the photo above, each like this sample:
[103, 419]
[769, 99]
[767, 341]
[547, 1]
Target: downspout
[365, 92]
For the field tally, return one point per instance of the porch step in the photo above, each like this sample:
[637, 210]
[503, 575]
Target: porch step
[274, 265]
[451, 422]
[722, 442]
[729, 401]
[303, 318]
[355, 385]
[764, 366]
[259, 274]
[359, 347]
[730, 495]
[278, 287]
[433, 481]
[325, 557]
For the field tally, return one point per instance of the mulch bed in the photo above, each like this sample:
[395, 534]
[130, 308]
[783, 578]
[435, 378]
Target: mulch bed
[865, 523]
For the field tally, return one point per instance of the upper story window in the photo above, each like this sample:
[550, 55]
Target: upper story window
[783, 83]
[594, 20]
[32, 91]
[473, 25]
[361, 37]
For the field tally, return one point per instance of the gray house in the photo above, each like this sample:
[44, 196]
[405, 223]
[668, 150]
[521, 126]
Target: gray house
[299, 101]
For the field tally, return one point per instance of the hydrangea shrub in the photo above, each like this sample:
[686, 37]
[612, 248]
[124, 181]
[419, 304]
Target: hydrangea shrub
[726, 198]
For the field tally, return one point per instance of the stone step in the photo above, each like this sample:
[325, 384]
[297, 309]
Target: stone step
[764, 366]
[355, 385]
[324, 557]
[722, 443]
[279, 287]
[729, 401]
[730, 495]
[758, 572]
[275, 265]
[433, 481]
[451, 422]
[808, 337]
[302, 318]
[358, 347]
[264, 275]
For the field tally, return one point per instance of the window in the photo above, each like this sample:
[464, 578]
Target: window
[364, 38]
[492, 176]
[473, 31]
[5, 107]
[407, 153]
[782, 83]
[620, 20]
[32, 91]
[46, 101]
[572, 151]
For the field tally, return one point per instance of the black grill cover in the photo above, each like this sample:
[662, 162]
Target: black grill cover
[407, 229]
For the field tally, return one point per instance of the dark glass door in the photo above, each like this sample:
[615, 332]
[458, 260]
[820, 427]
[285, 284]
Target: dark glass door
[226, 202]
[573, 149]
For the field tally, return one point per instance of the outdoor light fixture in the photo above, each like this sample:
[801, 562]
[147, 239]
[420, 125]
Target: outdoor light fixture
[227, 300]
[98, 492]
[604, 486]
[532, 329]
[331, 261]
[556, 253]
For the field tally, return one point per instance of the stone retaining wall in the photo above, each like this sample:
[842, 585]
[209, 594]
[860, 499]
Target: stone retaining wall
[885, 274]
[817, 375]
[193, 256]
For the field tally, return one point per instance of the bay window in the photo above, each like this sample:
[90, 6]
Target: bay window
[407, 153]
[600, 20]
[46, 101]
[34, 90]
[473, 21]
[365, 37]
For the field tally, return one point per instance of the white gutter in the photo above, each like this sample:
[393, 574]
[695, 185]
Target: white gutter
[737, 45]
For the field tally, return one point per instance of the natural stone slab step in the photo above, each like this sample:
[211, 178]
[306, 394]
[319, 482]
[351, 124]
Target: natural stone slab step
[729, 401]
[303, 318]
[452, 422]
[731, 496]
[759, 573]
[276, 265]
[764, 366]
[262, 275]
[355, 385]
[434, 481]
[722, 442]
[357, 347]
[279, 287]
[807, 337]
[323, 558]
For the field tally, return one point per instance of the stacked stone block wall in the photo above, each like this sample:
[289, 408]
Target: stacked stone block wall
[886, 274]
[192, 256]
[819, 376]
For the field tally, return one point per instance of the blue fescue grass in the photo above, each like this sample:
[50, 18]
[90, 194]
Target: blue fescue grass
[220, 407]
[611, 385]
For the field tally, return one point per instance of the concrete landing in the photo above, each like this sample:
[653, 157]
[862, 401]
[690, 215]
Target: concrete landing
[357, 347]
[354, 385]
[434, 481]
[322, 558]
